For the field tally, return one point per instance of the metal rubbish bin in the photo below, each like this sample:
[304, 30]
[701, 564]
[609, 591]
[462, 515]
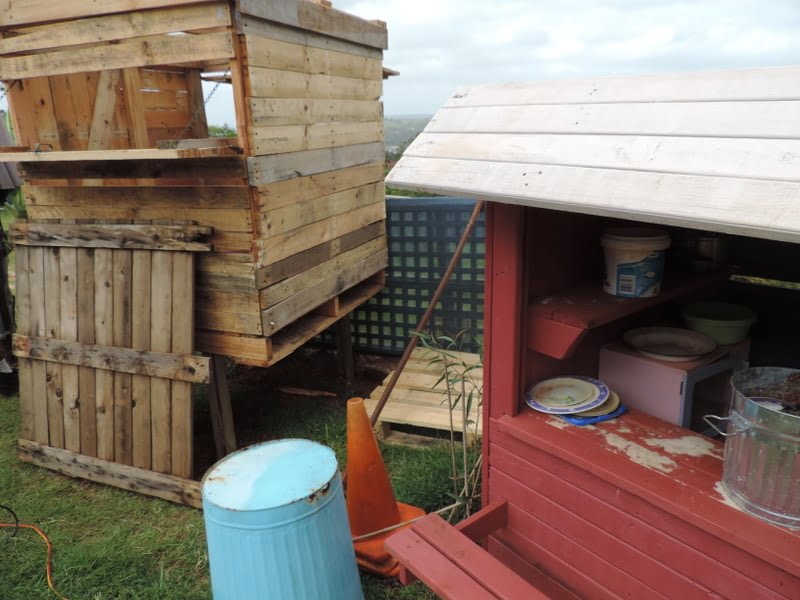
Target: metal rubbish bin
[277, 527]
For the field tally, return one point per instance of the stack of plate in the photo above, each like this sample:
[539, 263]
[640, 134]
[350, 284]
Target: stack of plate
[577, 395]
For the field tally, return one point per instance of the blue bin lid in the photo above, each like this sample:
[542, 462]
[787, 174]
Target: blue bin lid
[269, 475]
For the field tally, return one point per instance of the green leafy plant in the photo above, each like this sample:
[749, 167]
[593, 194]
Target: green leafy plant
[463, 392]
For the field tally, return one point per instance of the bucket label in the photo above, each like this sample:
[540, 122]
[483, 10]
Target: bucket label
[641, 279]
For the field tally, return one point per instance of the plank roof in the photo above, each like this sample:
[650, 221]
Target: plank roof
[716, 150]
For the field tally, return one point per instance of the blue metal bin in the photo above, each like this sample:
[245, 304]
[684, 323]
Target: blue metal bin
[277, 527]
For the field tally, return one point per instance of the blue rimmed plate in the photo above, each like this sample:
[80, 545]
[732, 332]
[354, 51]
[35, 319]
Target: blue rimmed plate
[557, 407]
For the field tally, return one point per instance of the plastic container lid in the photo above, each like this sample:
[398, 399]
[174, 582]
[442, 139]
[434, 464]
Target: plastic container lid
[269, 476]
[636, 235]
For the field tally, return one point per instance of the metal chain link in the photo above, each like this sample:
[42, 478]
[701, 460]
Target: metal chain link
[203, 106]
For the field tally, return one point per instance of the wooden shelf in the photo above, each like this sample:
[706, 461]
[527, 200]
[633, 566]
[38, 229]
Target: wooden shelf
[17, 155]
[557, 323]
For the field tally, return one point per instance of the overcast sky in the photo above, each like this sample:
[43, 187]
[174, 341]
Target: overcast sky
[438, 45]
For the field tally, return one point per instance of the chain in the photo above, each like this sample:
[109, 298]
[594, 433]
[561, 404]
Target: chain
[203, 106]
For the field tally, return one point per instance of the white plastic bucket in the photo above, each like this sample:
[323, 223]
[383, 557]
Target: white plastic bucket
[634, 261]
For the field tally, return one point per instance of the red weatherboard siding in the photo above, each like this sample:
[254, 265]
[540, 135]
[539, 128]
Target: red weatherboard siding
[581, 510]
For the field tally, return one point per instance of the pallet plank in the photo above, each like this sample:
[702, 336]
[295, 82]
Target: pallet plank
[267, 112]
[41, 432]
[275, 83]
[142, 481]
[268, 169]
[158, 50]
[140, 340]
[52, 299]
[68, 267]
[150, 237]
[182, 343]
[296, 138]
[23, 322]
[87, 395]
[101, 129]
[123, 338]
[161, 341]
[104, 335]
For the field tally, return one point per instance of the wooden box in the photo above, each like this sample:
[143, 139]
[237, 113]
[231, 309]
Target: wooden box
[108, 109]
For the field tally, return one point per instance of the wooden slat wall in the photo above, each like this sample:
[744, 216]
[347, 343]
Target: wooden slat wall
[138, 299]
[315, 130]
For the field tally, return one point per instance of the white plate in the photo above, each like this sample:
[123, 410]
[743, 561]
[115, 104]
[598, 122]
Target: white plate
[670, 344]
[601, 396]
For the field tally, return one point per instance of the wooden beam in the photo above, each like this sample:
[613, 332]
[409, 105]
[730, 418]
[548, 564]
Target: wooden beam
[267, 169]
[132, 92]
[219, 404]
[344, 351]
[320, 19]
[142, 481]
[160, 50]
[178, 367]
[117, 27]
[102, 128]
[122, 236]
[133, 154]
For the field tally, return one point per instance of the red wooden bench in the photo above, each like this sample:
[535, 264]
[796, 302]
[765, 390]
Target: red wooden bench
[450, 562]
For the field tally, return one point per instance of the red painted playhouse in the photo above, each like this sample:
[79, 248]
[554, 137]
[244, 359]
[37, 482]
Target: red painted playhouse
[633, 507]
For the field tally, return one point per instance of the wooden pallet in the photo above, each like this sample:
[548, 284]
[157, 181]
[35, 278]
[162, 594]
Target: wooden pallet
[418, 401]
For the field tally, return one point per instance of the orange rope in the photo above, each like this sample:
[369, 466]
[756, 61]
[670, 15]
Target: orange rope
[49, 568]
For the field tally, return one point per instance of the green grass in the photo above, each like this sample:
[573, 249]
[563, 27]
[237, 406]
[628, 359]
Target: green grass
[114, 544]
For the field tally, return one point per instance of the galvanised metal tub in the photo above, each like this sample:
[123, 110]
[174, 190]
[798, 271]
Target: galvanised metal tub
[277, 526]
[761, 472]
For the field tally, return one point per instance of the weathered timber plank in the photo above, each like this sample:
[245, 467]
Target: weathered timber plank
[302, 261]
[226, 301]
[283, 313]
[281, 194]
[301, 331]
[160, 50]
[728, 157]
[280, 246]
[273, 83]
[108, 28]
[776, 83]
[182, 343]
[234, 220]
[112, 236]
[228, 321]
[87, 395]
[319, 19]
[279, 292]
[267, 169]
[211, 171]
[101, 129]
[253, 26]
[223, 197]
[286, 56]
[122, 261]
[52, 301]
[69, 97]
[250, 348]
[134, 108]
[219, 401]
[295, 138]
[142, 481]
[279, 221]
[104, 335]
[161, 341]
[41, 432]
[716, 203]
[197, 104]
[140, 340]
[127, 154]
[23, 319]
[268, 112]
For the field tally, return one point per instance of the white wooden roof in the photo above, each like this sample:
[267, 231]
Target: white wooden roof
[711, 150]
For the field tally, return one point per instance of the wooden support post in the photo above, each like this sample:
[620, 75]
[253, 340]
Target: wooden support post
[344, 352]
[219, 405]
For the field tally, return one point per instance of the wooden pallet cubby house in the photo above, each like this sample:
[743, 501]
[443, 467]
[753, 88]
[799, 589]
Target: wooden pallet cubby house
[109, 115]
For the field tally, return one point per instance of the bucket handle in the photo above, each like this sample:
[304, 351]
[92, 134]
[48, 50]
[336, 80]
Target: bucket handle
[713, 425]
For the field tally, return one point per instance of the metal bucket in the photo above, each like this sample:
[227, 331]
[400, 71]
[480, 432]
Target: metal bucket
[761, 472]
[277, 526]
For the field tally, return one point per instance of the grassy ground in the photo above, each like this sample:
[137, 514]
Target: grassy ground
[111, 544]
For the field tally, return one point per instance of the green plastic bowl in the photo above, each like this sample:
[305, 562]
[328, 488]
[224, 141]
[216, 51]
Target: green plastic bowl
[725, 323]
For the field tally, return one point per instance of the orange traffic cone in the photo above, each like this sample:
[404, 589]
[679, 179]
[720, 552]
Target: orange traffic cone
[371, 504]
